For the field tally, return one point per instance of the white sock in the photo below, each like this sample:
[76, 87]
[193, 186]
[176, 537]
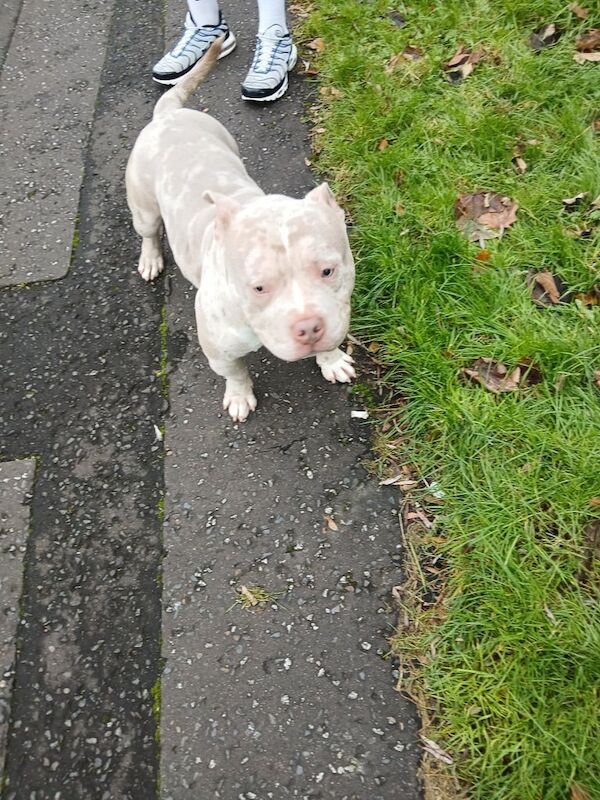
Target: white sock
[270, 13]
[202, 12]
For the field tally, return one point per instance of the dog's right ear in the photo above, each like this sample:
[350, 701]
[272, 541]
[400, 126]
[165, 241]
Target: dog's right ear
[226, 207]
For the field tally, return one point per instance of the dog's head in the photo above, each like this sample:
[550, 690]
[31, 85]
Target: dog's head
[290, 265]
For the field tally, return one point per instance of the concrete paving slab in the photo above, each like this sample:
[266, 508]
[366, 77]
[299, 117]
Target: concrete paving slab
[16, 482]
[45, 132]
[299, 700]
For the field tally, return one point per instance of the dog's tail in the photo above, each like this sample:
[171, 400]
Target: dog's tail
[178, 95]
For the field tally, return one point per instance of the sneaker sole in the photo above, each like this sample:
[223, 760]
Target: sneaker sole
[281, 90]
[228, 46]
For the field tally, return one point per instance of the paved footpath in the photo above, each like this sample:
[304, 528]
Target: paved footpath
[296, 701]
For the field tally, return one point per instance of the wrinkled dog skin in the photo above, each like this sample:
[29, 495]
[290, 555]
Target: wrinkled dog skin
[270, 270]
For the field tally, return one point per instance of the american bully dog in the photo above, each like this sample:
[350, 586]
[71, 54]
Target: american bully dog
[270, 270]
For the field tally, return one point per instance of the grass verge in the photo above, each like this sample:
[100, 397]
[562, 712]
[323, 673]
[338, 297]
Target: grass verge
[508, 653]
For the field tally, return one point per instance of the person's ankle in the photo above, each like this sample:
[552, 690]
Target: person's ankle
[274, 31]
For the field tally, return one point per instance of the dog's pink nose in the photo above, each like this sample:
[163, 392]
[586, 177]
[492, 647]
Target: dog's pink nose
[308, 331]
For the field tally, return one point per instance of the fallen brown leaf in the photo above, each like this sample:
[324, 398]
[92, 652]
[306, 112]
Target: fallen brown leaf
[571, 203]
[318, 45]
[399, 177]
[594, 502]
[492, 375]
[383, 145]
[546, 289]
[373, 347]
[579, 11]
[545, 36]
[435, 750]
[519, 164]
[410, 53]
[483, 255]
[597, 379]
[331, 523]
[591, 298]
[582, 58]
[480, 214]
[308, 70]
[330, 91]
[399, 209]
[589, 41]
[462, 63]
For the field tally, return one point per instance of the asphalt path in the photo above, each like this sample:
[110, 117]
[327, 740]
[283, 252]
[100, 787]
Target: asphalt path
[137, 544]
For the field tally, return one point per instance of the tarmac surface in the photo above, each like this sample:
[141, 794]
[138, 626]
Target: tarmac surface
[123, 552]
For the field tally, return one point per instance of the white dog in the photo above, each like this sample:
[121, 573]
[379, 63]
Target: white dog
[270, 270]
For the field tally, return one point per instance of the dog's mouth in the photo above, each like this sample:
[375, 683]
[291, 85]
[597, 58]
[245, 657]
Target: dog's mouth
[299, 352]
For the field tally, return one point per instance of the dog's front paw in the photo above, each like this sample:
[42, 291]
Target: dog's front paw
[150, 266]
[239, 403]
[336, 366]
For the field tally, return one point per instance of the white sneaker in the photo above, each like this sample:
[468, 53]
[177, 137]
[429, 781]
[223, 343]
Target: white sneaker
[190, 48]
[274, 57]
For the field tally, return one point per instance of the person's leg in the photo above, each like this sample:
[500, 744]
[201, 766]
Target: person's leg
[271, 13]
[203, 12]
[203, 24]
[274, 57]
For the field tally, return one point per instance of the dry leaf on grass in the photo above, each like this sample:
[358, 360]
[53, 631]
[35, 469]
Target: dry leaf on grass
[483, 255]
[597, 379]
[480, 214]
[435, 750]
[409, 53]
[579, 11]
[383, 145]
[546, 289]
[308, 70]
[495, 376]
[519, 164]
[330, 91]
[545, 36]
[518, 161]
[591, 298]
[589, 41]
[318, 45]
[462, 63]
[583, 58]
[571, 203]
[594, 502]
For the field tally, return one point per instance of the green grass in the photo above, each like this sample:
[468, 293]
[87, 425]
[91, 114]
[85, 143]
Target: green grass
[518, 693]
[164, 353]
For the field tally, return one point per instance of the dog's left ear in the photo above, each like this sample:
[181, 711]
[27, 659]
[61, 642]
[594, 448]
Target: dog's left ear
[226, 207]
[322, 194]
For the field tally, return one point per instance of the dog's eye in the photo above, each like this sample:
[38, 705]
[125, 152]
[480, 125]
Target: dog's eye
[327, 272]
[259, 289]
